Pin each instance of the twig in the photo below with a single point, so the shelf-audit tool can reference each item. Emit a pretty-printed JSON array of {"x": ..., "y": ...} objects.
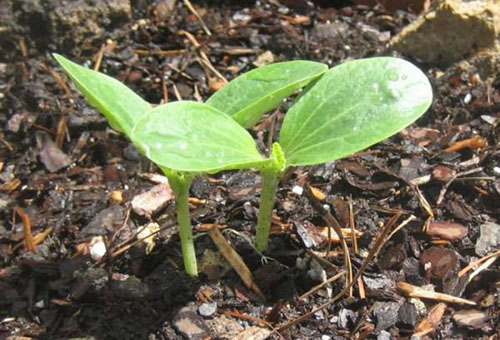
[
  {"x": 452, "y": 179},
  {"x": 353, "y": 226},
  {"x": 61, "y": 131},
  {"x": 235, "y": 260},
  {"x": 398, "y": 228},
  {"x": 482, "y": 267},
  {"x": 58, "y": 79},
  {"x": 197, "y": 15},
  {"x": 176, "y": 92},
  {"x": 321, "y": 285},
  {"x": 332, "y": 222},
  {"x": 371, "y": 255},
  {"x": 477, "y": 263},
  {"x": 164, "y": 90},
  {"x": 28, "y": 237},
  {"x": 98, "y": 58},
  {"x": 415, "y": 291},
  {"x": 204, "y": 61},
  {"x": 145, "y": 53}
]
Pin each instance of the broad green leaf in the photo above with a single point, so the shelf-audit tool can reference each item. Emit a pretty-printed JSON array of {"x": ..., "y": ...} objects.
[
  {"x": 353, "y": 106},
  {"x": 119, "y": 104},
  {"x": 247, "y": 97},
  {"x": 195, "y": 137}
]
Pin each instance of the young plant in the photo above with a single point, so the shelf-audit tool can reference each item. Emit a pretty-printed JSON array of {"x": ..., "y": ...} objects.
[
  {"x": 351, "y": 107},
  {"x": 186, "y": 138}
]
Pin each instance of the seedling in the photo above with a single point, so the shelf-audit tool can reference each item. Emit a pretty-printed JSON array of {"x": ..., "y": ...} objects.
[
  {"x": 186, "y": 138},
  {"x": 351, "y": 107}
]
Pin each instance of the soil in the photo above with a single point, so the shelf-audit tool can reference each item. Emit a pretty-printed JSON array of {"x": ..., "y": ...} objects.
[{"x": 72, "y": 179}]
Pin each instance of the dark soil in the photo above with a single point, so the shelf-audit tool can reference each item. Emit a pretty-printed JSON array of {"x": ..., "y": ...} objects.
[{"x": 63, "y": 169}]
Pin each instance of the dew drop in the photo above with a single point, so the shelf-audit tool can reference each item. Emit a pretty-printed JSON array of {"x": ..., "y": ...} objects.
[
  {"x": 158, "y": 145},
  {"x": 183, "y": 146},
  {"x": 404, "y": 77},
  {"x": 393, "y": 76},
  {"x": 375, "y": 86}
]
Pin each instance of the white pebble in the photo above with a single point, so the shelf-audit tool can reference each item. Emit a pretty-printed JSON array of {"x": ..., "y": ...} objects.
[
  {"x": 97, "y": 248},
  {"x": 298, "y": 190}
]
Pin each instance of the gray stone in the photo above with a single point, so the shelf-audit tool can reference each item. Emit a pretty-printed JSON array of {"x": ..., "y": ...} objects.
[
  {"x": 384, "y": 335},
  {"x": 408, "y": 315},
  {"x": 386, "y": 314},
  {"x": 105, "y": 221},
  {"x": 489, "y": 238},
  {"x": 450, "y": 31},
  {"x": 378, "y": 282},
  {"x": 331, "y": 30},
  {"x": 207, "y": 309},
  {"x": 129, "y": 287}
]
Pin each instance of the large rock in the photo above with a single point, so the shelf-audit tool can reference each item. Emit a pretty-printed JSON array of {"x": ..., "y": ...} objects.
[
  {"x": 64, "y": 23},
  {"x": 489, "y": 239},
  {"x": 450, "y": 31}
]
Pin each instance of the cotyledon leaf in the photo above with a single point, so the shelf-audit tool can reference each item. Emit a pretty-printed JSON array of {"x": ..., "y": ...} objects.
[
  {"x": 247, "y": 97},
  {"x": 195, "y": 137},
  {"x": 353, "y": 106},
  {"x": 121, "y": 106}
]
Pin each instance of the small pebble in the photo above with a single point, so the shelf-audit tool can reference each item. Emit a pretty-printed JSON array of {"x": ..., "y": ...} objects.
[
  {"x": 467, "y": 98},
  {"x": 298, "y": 190},
  {"x": 207, "y": 309},
  {"x": 97, "y": 248}
]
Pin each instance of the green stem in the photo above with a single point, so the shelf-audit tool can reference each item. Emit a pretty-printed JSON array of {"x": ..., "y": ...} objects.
[
  {"x": 180, "y": 184},
  {"x": 270, "y": 179}
]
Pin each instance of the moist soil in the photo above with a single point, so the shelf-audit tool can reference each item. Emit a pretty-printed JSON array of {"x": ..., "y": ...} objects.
[{"x": 72, "y": 179}]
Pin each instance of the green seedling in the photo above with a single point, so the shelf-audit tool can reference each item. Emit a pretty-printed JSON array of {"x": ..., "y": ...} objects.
[
  {"x": 351, "y": 107},
  {"x": 186, "y": 138}
]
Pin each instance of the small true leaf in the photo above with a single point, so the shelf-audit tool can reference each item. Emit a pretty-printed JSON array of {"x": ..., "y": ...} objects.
[
  {"x": 247, "y": 97},
  {"x": 351, "y": 107},
  {"x": 119, "y": 104},
  {"x": 195, "y": 137}
]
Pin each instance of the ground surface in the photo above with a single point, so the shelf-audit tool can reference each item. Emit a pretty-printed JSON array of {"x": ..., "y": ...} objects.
[{"x": 63, "y": 169}]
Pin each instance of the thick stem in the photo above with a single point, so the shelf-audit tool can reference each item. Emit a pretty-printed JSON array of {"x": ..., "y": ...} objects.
[
  {"x": 270, "y": 181},
  {"x": 180, "y": 185},
  {"x": 271, "y": 176}
]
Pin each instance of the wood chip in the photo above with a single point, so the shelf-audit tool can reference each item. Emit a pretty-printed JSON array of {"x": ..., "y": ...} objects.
[
  {"x": 471, "y": 318},
  {"x": 253, "y": 333},
  {"x": 150, "y": 202},
  {"x": 419, "y": 292},
  {"x": 318, "y": 194},
  {"x": 431, "y": 321},
  {"x": 447, "y": 230},
  {"x": 235, "y": 260}
]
